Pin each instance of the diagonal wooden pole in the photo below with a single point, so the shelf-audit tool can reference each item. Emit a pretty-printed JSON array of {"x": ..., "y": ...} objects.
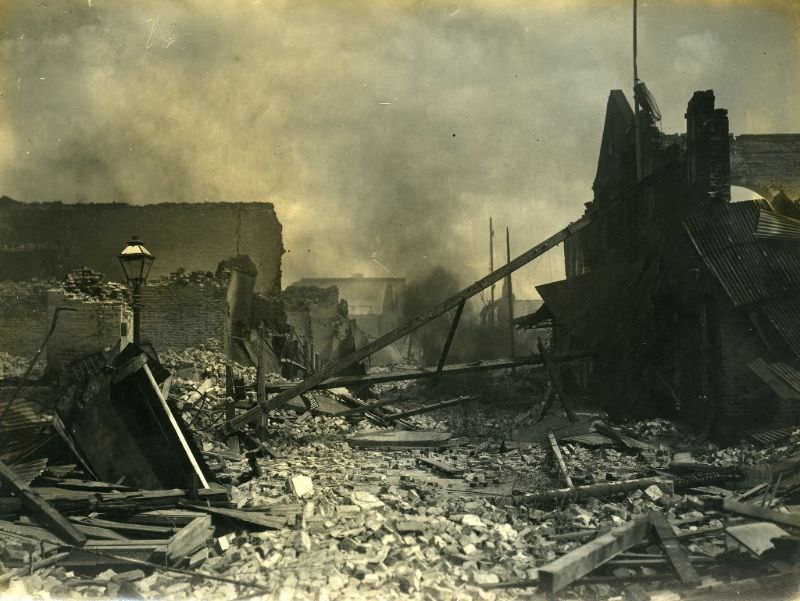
[{"x": 334, "y": 368}]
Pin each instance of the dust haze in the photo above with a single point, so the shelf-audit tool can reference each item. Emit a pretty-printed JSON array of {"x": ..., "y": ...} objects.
[{"x": 385, "y": 133}]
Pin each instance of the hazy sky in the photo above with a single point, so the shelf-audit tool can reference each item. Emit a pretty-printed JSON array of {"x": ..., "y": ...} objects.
[{"x": 390, "y": 130}]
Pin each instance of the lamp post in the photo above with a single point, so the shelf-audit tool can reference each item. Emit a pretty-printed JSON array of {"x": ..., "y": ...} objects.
[{"x": 136, "y": 262}]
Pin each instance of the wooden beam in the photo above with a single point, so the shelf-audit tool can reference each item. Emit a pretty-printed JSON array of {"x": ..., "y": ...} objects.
[
  {"x": 762, "y": 513},
  {"x": 450, "y": 335},
  {"x": 427, "y": 408},
  {"x": 448, "y": 470},
  {"x": 600, "y": 490},
  {"x": 253, "y": 518},
  {"x": 368, "y": 407},
  {"x": 168, "y": 412},
  {"x": 430, "y": 371},
  {"x": 420, "y": 320},
  {"x": 575, "y": 564},
  {"x": 675, "y": 552},
  {"x": 189, "y": 538},
  {"x": 559, "y": 458},
  {"x": 41, "y": 509}
]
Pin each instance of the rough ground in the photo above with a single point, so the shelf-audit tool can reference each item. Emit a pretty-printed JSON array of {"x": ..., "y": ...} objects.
[{"x": 382, "y": 525}]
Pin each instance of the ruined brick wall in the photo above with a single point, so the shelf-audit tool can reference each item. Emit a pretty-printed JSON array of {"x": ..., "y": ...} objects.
[
  {"x": 767, "y": 163},
  {"x": 177, "y": 316},
  {"x": 318, "y": 317},
  {"x": 47, "y": 240},
  {"x": 93, "y": 326},
  {"x": 24, "y": 319}
]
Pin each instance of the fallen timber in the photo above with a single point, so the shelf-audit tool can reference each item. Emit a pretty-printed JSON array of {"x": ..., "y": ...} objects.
[
  {"x": 443, "y": 307},
  {"x": 602, "y": 489},
  {"x": 431, "y": 372}
]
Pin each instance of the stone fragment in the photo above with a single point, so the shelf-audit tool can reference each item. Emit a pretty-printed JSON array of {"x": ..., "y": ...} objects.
[{"x": 301, "y": 486}]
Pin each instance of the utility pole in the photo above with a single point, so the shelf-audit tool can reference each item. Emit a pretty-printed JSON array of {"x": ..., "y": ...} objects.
[
  {"x": 511, "y": 341},
  {"x": 491, "y": 269}
]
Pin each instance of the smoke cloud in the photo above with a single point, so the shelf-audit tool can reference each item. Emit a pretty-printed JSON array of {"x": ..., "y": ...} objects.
[{"x": 386, "y": 133}]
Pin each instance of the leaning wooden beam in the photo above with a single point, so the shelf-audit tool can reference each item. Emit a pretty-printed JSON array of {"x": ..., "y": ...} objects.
[
  {"x": 168, "y": 412},
  {"x": 428, "y": 408},
  {"x": 40, "y": 508},
  {"x": 430, "y": 372},
  {"x": 762, "y": 513},
  {"x": 559, "y": 458},
  {"x": 368, "y": 407},
  {"x": 378, "y": 417},
  {"x": 603, "y": 489},
  {"x": 675, "y": 552},
  {"x": 334, "y": 368},
  {"x": 450, "y": 335},
  {"x": 568, "y": 568}
]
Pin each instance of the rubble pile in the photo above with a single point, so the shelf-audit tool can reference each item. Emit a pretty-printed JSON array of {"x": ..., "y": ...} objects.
[
  {"x": 297, "y": 510},
  {"x": 12, "y": 366},
  {"x": 87, "y": 284}
]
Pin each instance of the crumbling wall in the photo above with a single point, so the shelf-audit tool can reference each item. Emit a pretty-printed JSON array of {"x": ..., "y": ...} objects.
[
  {"x": 767, "y": 163},
  {"x": 48, "y": 240},
  {"x": 23, "y": 317},
  {"x": 182, "y": 315},
  {"x": 93, "y": 325},
  {"x": 317, "y": 316}
]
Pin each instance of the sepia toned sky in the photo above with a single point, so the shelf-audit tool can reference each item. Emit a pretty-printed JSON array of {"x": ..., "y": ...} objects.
[{"x": 385, "y": 132}]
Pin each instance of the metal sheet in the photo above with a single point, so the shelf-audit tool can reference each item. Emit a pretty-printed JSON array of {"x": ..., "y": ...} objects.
[
  {"x": 784, "y": 315},
  {"x": 775, "y": 225},
  {"x": 748, "y": 268}
]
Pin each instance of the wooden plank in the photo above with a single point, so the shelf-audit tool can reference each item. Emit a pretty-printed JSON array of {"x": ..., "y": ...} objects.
[
  {"x": 273, "y": 522},
  {"x": 98, "y": 532},
  {"x": 602, "y": 489},
  {"x": 440, "y": 466},
  {"x": 178, "y": 432},
  {"x": 125, "y": 526},
  {"x": 568, "y": 568},
  {"x": 41, "y": 509},
  {"x": 190, "y": 538},
  {"x": 336, "y": 367},
  {"x": 34, "y": 533},
  {"x": 399, "y": 438},
  {"x": 762, "y": 513},
  {"x": 559, "y": 458},
  {"x": 429, "y": 408},
  {"x": 175, "y": 518},
  {"x": 675, "y": 552}
]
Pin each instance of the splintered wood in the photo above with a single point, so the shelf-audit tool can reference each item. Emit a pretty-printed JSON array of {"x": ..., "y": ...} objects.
[{"x": 568, "y": 568}]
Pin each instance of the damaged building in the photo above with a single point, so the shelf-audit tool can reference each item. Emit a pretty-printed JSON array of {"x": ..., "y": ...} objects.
[{"x": 710, "y": 288}]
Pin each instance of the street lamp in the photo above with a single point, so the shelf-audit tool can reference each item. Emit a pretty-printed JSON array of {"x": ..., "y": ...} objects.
[{"x": 136, "y": 262}]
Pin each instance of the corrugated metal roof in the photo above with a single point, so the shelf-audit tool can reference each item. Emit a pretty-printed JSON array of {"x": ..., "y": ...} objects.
[
  {"x": 784, "y": 314},
  {"x": 749, "y": 269},
  {"x": 22, "y": 414},
  {"x": 773, "y": 436},
  {"x": 28, "y": 471},
  {"x": 775, "y": 225},
  {"x": 787, "y": 373}
]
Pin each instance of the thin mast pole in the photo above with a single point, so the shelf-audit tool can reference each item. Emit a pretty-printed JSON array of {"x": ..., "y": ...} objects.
[
  {"x": 491, "y": 269},
  {"x": 511, "y": 341},
  {"x": 635, "y": 99}
]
